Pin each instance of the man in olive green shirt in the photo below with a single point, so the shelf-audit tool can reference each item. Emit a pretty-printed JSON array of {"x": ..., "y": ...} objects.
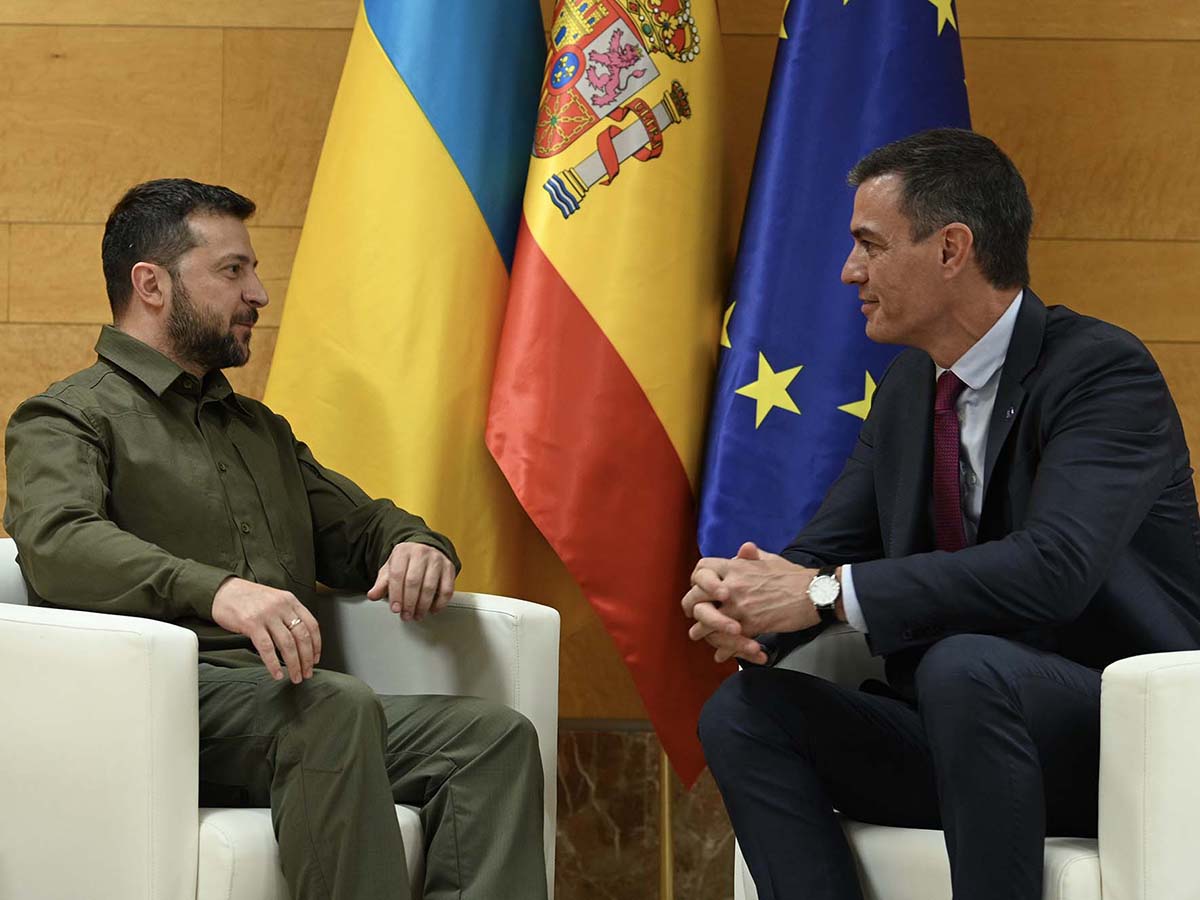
[{"x": 145, "y": 486}]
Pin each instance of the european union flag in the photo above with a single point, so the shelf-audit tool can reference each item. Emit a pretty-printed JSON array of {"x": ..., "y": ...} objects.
[{"x": 796, "y": 378}]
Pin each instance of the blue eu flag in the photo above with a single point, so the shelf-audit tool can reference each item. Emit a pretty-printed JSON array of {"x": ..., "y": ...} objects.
[{"x": 797, "y": 373}]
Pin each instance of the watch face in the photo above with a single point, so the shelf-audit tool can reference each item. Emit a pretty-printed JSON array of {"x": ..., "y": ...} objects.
[{"x": 823, "y": 590}]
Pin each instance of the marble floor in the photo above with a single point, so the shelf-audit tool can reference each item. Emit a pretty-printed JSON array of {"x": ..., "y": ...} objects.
[{"x": 608, "y": 820}]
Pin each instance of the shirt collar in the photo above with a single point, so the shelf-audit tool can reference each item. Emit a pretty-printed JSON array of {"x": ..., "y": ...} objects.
[
  {"x": 975, "y": 367},
  {"x": 155, "y": 370}
]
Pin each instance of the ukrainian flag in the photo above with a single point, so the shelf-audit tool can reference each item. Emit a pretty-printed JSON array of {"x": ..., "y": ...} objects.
[{"x": 388, "y": 339}]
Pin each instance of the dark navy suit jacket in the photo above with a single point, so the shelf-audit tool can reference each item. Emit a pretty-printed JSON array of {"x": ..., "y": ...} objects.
[{"x": 1089, "y": 541}]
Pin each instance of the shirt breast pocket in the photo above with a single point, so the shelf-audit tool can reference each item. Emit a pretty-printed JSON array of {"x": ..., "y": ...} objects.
[{"x": 276, "y": 476}]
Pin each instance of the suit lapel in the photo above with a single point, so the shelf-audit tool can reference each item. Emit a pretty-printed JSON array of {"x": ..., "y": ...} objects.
[{"x": 1023, "y": 351}]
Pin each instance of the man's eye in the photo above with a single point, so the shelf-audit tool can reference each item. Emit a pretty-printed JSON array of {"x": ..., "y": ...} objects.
[{"x": 235, "y": 268}]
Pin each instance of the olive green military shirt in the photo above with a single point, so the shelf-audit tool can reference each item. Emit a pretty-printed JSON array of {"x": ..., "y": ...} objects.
[{"x": 135, "y": 488}]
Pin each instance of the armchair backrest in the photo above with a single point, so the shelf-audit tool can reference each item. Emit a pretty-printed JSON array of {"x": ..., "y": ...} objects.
[{"x": 12, "y": 583}]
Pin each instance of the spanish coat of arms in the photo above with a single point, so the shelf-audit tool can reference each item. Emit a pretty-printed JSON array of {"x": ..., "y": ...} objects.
[{"x": 601, "y": 57}]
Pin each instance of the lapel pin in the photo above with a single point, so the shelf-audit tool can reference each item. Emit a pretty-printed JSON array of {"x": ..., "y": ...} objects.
[{"x": 1010, "y": 412}]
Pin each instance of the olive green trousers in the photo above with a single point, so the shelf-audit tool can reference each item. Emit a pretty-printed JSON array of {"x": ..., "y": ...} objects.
[{"x": 330, "y": 758}]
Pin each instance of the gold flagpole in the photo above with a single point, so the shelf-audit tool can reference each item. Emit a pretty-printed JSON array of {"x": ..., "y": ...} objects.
[{"x": 666, "y": 858}]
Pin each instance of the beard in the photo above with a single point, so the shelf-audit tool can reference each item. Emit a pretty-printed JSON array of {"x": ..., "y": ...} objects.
[{"x": 200, "y": 337}]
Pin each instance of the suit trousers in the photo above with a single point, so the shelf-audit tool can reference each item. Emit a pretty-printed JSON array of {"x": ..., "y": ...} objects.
[
  {"x": 1001, "y": 748},
  {"x": 331, "y": 758}
]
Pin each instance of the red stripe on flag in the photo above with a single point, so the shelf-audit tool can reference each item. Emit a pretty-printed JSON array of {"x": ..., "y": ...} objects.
[{"x": 593, "y": 466}]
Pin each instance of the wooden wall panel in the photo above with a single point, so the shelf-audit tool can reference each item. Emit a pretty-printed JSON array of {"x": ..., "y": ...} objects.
[
  {"x": 748, "y": 62},
  {"x": 279, "y": 90},
  {"x": 1098, "y": 128},
  {"x": 81, "y": 122},
  {"x": 1105, "y": 19},
  {"x": 5, "y": 230},
  {"x": 59, "y": 280},
  {"x": 1139, "y": 285},
  {"x": 750, "y": 16},
  {"x": 1109, "y": 19},
  {"x": 213, "y": 13}
]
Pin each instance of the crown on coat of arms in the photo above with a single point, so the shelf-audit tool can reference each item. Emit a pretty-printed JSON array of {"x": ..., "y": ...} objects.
[{"x": 667, "y": 26}]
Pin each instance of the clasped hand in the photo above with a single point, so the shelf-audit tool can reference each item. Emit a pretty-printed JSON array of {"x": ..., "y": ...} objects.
[{"x": 735, "y": 600}]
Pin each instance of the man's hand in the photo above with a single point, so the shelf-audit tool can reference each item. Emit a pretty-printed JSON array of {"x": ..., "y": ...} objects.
[
  {"x": 733, "y": 600},
  {"x": 269, "y": 618},
  {"x": 723, "y": 634},
  {"x": 417, "y": 579}
]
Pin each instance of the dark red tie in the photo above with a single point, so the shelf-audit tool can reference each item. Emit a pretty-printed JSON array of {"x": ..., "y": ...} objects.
[{"x": 947, "y": 501}]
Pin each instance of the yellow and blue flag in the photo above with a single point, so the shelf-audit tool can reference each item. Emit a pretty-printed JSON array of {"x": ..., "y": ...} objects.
[
  {"x": 797, "y": 374},
  {"x": 388, "y": 339}
]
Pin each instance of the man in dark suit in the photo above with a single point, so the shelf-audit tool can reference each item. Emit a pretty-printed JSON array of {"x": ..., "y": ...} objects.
[{"x": 1018, "y": 512}]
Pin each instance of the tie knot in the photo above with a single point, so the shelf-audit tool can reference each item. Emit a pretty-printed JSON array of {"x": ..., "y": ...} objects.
[{"x": 949, "y": 386}]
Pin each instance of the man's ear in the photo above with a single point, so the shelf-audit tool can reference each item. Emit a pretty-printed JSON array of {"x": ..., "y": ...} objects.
[
  {"x": 958, "y": 244},
  {"x": 150, "y": 284}
]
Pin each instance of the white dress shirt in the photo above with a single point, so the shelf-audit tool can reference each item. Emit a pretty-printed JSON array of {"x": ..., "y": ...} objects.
[{"x": 979, "y": 369}]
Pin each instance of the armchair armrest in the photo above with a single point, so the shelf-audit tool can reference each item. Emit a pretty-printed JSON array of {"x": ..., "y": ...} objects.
[
  {"x": 99, "y": 756},
  {"x": 1149, "y": 782},
  {"x": 481, "y": 645}
]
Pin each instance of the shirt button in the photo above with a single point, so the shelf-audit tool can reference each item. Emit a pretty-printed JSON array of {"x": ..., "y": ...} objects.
[
  {"x": 972, "y": 480},
  {"x": 221, "y": 467},
  {"x": 245, "y": 528}
]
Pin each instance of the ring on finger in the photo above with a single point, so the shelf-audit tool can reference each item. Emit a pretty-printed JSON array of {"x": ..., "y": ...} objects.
[{"x": 292, "y": 624}]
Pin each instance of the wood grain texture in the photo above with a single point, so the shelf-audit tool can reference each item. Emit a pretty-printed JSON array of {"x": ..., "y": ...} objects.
[
  {"x": 1108, "y": 19},
  {"x": 761, "y": 17},
  {"x": 59, "y": 280},
  {"x": 748, "y": 62},
  {"x": 214, "y": 13},
  {"x": 1138, "y": 285},
  {"x": 1103, "y": 19},
  {"x": 5, "y": 231},
  {"x": 1099, "y": 130},
  {"x": 87, "y": 112},
  {"x": 279, "y": 91}
]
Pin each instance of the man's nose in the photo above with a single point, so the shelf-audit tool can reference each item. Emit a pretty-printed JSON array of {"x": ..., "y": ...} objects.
[
  {"x": 853, "y": 271},
  {"x": 255, "y": 293}
]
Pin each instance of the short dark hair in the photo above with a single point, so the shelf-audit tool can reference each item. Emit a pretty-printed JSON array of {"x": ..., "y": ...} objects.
[
  {"x": 149, "y": 224},
  {"x": 954, "y": 175}
]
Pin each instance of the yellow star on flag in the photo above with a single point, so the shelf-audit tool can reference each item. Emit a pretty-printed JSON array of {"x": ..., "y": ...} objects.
[
  {"x": 725, "y": 325},
  {"x": 862, "y": 408},
  {"x": 770, "y": 390},
  {"x": 945, "y": 10}
]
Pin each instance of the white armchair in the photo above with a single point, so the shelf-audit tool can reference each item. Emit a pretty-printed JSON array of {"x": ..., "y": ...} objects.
[
  {"x": 99, "y": 747},
  {"x": 1149, "y": 792}
]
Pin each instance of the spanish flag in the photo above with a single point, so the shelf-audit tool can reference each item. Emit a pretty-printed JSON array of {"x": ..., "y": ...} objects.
[
  {"x": 606, "y": 357},
  {"x": 388, "y": 340}
]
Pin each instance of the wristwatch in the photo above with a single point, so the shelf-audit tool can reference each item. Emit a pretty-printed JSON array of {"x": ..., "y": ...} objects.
[{"x": 824, "y": 591}]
